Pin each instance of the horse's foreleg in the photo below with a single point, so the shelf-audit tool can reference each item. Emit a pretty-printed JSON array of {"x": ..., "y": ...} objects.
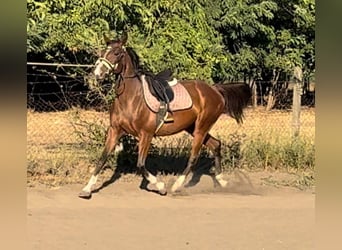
[
  {"x": 144, "y": 145},
  {"x": 215, "y": 146},
  {"x": 113, "y": 135}
]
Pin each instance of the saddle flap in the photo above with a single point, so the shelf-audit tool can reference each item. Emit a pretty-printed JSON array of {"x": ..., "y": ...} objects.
[
  {"x": 159, "y": 87},
  {"x": 181, "y": 99},
  {"x": 164, "y": 75}
]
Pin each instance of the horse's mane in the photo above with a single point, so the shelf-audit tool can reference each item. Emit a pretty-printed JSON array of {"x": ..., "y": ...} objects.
[
  {"x": 157, "y": 83},
  {"x": 138, "y": 67}
]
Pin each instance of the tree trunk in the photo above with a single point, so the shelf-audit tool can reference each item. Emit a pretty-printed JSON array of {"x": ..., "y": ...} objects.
[
  {"x": 270, "y": 100},
  {"x": 271, "y": 95}
]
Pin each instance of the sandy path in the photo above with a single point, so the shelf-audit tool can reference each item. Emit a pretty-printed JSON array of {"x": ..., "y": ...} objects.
[{"x": 121, "y": 216}]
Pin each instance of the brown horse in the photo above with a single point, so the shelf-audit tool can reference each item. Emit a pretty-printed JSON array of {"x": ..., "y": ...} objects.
[{"x": 129, "y": 114}]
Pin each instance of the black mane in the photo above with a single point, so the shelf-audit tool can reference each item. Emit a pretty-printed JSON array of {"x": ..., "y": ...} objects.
[
  {"x": 138, "y": 67},
  {"x": 157, "y": 83}
]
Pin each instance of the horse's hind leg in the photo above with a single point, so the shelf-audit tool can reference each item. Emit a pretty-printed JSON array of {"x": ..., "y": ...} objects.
[
  {"x": 195, "y": 149},
  {"x": 113, "y": 135},
  {"x": 215, "y": 146},
  {"x": 144, "y": 145}
]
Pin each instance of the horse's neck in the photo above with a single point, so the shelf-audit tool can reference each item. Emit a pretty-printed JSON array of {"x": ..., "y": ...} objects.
[
  {"x": 131, "y": 85},
  {"x": 128, "y": 69},
  {"x": 130, "y": 99},
  {"x": 131, "y": 78}
]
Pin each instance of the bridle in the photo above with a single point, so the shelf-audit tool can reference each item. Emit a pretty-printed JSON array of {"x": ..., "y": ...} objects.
[
  {"x": 119, "y": 86},
  {"x": 110, "y": 66},
  {"x": 105, "y": 62}
]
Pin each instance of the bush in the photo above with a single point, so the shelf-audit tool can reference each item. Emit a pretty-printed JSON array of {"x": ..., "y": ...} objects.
[
  {"x": 253, "y": 152},
  {"x": 291, "y": 153}
]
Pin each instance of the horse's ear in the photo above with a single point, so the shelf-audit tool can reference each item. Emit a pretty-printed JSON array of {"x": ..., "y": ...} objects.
[
  {"x": 124, "y": 38},
  {"x": 106, "y": 39}
]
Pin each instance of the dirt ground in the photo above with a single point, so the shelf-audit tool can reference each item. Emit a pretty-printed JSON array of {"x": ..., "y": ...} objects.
[{"x": 244, "y": 215}]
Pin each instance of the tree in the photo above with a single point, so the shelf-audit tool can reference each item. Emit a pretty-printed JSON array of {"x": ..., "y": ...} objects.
[
  {"x": 266, "y": 40},
  {"x": 165, "y": 33},
  {"x": 243, "y": 29},
  {"x": 235, "y": 40},
  {"x": 293, "y": 44}
]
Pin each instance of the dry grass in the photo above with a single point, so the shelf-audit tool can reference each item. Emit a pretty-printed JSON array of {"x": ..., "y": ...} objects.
[
  {"x": 272, "y": 125},
  {"x": 56, "y": 156},
  {"x": 57, "y": 127}
]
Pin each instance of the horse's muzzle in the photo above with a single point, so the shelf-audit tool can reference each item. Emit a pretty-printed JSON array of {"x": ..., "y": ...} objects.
[{"x": 98, "y": 77}]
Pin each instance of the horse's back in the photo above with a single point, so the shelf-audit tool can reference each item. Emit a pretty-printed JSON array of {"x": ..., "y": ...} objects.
[{"x": 202, "y": 93}]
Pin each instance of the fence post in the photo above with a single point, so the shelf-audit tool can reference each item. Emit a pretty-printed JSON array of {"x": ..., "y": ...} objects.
[
  {"x": 253, "y": 86},
  {"x": 296, "y": 101}
]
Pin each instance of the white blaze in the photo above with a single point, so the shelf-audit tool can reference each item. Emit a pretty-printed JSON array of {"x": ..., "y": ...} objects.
[{"x": 97, "y": 71}]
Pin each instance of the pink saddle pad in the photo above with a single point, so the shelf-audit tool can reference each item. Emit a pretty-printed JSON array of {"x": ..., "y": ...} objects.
[{"x": 181, "y": 100}]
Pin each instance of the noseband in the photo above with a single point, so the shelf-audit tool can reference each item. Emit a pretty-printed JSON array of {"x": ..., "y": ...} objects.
[
  {"x": 110, "y": 66},
  {"x": 106, "y": 63}
]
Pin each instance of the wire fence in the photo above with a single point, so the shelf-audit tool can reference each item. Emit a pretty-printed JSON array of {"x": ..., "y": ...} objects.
[{"x": 60, "y": 106}]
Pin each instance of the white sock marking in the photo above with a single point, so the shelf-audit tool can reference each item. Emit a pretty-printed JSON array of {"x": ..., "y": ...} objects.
[
  {"x": 220, "y": 180},
  {"x": 91, "y": 182},
  {"x": 179, "y": 182},
  {"x": 160, "y": 185},
  {"x": 151, "y": 178}
]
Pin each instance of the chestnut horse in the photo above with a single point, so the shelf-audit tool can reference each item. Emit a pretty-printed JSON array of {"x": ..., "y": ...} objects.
[{"x": 129, "y": 114}]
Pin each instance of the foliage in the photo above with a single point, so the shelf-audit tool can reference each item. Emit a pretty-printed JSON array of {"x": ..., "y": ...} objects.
[
  {"x": 291, "y": 154},
  {"x": 212, "y": 40}
]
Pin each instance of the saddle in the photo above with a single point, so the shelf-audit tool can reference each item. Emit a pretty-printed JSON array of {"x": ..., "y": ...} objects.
[
  {"x": 164, "y": 95},
  {"x": 159, "y": 87},
  {"x": 162, "y": 91}
]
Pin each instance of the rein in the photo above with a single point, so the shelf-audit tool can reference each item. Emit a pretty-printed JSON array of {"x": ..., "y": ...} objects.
[
  {"x": 121, "y": 79},
  {"x": 111, "y": 67}
]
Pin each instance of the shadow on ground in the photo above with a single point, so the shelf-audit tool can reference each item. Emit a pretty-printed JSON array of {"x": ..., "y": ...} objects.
[{"x": 169, "y": 163}]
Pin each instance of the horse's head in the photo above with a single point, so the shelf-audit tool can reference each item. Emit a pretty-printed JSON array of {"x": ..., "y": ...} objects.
[{"x": 111, "y": 58}]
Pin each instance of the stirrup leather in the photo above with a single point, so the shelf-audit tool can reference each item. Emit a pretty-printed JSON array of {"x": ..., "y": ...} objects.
[{"x": 163, "y": 116}]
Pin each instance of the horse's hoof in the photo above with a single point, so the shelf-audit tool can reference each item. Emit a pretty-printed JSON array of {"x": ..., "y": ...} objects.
[
  {"x": 159, "y": 189},
  {"x": 84, "y": 195},
  {"x": 222, "y": 182},
  {"x": 163, "y": 192}
]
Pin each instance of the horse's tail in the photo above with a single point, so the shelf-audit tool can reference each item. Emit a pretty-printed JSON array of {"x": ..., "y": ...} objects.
[{"x": 236, "y": 96}]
